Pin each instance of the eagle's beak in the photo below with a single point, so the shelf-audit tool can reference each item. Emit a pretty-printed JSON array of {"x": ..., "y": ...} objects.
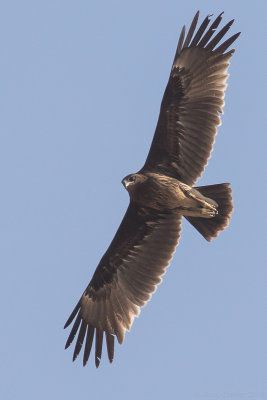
[{"x": 125, "y": 183}]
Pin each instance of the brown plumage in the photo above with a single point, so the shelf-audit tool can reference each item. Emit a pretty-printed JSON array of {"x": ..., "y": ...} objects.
[{"x": 161, "y": 193}]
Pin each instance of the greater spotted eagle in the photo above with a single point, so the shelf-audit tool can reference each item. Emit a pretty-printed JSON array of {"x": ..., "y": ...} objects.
[{"x": 162, "y": 192}]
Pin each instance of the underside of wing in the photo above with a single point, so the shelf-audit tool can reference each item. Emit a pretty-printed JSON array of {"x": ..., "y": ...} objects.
[
  {"x": 124, "y": 280},
  {"x": 193, "y": 99}
]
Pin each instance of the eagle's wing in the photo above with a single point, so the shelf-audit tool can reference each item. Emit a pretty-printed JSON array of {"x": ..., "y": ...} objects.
[
  {"x": 191, "y": 104},
  {"x": 125, "y": 278}
]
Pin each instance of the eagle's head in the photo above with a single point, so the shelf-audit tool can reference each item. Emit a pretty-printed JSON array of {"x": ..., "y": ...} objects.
[{"x": 132, "y": 181}]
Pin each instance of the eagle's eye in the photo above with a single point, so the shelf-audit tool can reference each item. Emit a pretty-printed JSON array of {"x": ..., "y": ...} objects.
[{"x": 131, "y": 178}]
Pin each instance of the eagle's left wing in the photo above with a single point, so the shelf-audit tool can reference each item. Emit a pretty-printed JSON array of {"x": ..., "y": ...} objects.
[
  {"x": 125, "y": 279},
  {"x": 193, "y": 99}
]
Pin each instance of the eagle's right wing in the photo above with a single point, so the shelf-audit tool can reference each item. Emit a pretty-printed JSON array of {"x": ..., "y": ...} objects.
[{"x": 125, "y": 278}]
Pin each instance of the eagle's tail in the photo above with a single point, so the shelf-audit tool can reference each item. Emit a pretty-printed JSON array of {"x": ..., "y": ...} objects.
[{"x": 211, "y": 227}]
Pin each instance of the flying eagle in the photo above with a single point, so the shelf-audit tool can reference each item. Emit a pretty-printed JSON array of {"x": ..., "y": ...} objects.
[{"x": 162, "y": 192}]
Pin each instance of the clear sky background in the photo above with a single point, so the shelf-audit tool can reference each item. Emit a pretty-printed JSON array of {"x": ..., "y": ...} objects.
[{"x": 81, "y": 85}]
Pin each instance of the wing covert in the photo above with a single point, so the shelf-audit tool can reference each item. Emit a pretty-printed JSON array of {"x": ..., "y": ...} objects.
[
  {"x": 125, "y": 279},
  {"x": 193, "y": 99}
]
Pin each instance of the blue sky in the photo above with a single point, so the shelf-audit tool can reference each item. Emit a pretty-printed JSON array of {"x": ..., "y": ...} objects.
[{"x": 81, "y": 85}]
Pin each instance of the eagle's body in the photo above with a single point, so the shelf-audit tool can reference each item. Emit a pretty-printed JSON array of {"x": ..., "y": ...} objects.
[{"x": 162, "y": 192}]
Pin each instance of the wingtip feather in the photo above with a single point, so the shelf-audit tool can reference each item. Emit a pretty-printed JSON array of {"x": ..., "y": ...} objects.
[
  {"x": 74, "y": 330},
  {"x": 98, "y": 346},
  {"x": 88, "y": 344},
  {"x": 80, "y": 340},
  {"x": 110, "y": 346},
  {"x": 73, "y": 314}
]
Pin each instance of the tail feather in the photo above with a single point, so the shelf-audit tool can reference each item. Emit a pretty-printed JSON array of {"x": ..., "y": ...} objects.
[{"x": 211, "y": 227}]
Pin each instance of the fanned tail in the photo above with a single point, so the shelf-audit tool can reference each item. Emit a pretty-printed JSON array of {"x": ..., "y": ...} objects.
[{"x": 211, "y": 227}]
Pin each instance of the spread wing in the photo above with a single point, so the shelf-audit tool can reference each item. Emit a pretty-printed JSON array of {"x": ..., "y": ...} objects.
[
  {"x": 191, "y": 104},
  {"x": 125, "y": 279}
]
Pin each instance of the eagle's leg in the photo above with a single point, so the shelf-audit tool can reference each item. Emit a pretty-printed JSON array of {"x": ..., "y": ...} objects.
[{"x": 202, "y": 212}]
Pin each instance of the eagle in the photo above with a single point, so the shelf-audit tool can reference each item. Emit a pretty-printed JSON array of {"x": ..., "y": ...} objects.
[{"x": 162, "y": 192}]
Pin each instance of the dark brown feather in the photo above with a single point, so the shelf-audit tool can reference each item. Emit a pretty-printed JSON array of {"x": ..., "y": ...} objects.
[
  {"x": 98, "y": 346},
  {"x": 74, "y": 329},
  {"x": 72, "y": 316},
  {"x": 210, "y": 32},
  {"x": 191, "y": 30},
  {"x": 181, "y": 40},
  {"x": 200, "y": 31},
  {"x": 80, "y": 340},
  {"x": 110, "y": 346},
  {"x": 88, "y": 343},
  {"x": 219, "y": 36},
  {"x": 224, "y": 46}
]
